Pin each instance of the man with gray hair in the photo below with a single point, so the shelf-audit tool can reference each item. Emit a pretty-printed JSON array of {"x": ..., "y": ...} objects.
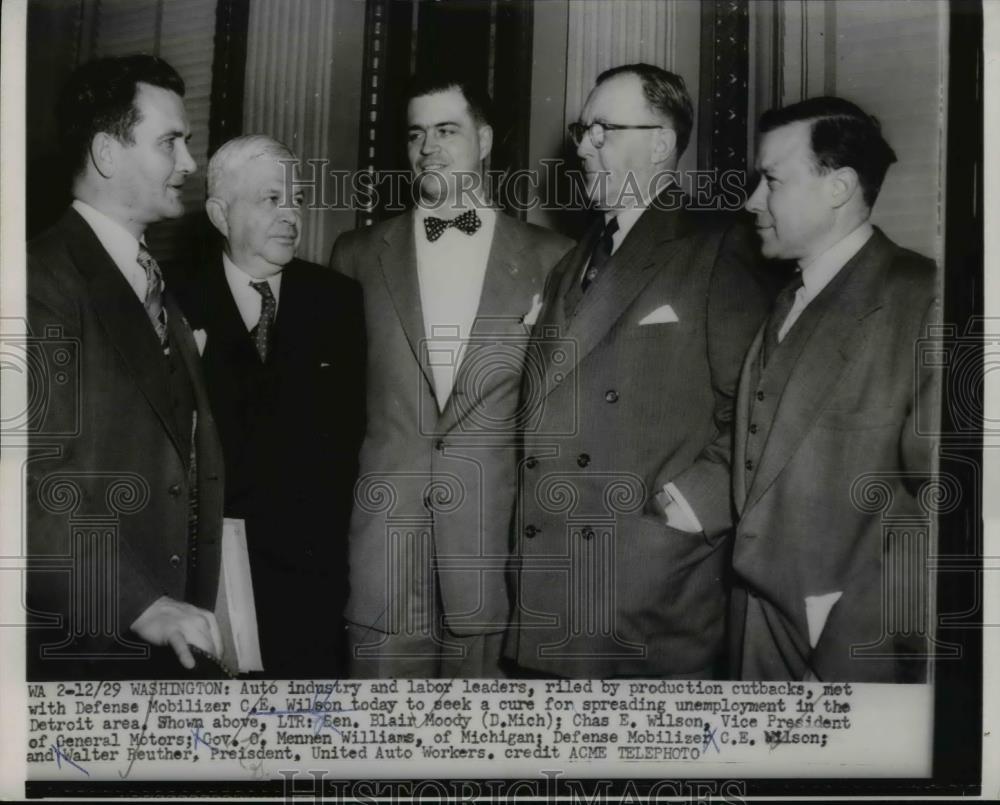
[{"x": 284, "y": 363}]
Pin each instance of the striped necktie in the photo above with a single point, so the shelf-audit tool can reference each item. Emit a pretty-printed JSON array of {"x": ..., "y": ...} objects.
[{"x": 153, "y": 301}]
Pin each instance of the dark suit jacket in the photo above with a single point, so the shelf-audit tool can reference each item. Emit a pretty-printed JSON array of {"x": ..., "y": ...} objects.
[
  {"x": 290, "y": 429},
  {"x": 616, "y": 409},
  {"x": 110, "y": 456},
  {"x": 449, "y": 474},
  {"x": 840, "y": 411}
]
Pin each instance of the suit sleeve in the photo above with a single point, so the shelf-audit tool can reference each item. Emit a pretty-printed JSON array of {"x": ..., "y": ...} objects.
[
  {"x": 340, "y": 257},
  {"x": 737, "y": 304},
  {"x": 55, "y": 437},
  {"x": 918, "y": 440}
]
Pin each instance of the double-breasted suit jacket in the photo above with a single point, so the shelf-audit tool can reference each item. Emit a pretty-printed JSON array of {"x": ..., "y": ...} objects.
[
  {"x": 634, "y": 386},
  {"x": 832, "y": 447},
  {"x": 291, "y": 427},
  {"x": 448, "y": 476},
  {"x": 111, "y": 526}
]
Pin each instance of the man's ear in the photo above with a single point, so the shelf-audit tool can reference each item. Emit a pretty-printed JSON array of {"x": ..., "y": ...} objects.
[
  {"x": 217, "y": 209},
  {"x": 664, "y": 145},
  {"x": 844, "y": 185},
  {"x": 485, "y": 141},
  {"x": 103, "y": 150}
]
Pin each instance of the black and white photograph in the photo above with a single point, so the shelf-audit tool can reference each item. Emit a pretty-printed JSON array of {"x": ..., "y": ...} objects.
[{"x": 462, "y": 400}]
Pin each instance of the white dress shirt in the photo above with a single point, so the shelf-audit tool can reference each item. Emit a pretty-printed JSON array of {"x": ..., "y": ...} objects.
[
  {"x": 820, "y": 271},
  {"x": 248, "y": 301},
  {"x": 119, "y": 243},
  {"x": 626, "y": 220},
  {"x": 450, "y": 273}
]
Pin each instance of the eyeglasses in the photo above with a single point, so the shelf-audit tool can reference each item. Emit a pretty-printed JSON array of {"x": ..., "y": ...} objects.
[{"x": 597, "y": 130}]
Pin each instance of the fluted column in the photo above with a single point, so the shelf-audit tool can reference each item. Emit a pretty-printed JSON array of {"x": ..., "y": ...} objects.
[
  {"x": 606, "y": 33},
  {"x": 302, "y": 81}
]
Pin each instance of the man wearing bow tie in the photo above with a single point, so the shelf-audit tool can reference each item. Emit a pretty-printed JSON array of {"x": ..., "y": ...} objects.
[
  {"x": 284, "y": 366},
  {"x": 446, "y": 289},
  {"x": 617, "y": 575}
]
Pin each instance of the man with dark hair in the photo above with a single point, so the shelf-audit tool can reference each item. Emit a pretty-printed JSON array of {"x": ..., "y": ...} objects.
[
  {"x": 829, "y": 417},
  {"x": 446, "y": 290},
  {"x": 124, "y": 486},
  {"x": 641, "y": 334}
]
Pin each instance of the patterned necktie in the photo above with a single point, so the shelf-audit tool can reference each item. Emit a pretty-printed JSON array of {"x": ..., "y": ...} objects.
[
  {"x": 468, "y": 222},
  {"x": 153, "y": 301},
  {"x": 782, "y": 307},
  {"x": 268, "y": 306},
  {"x": 602, "y": 253}
]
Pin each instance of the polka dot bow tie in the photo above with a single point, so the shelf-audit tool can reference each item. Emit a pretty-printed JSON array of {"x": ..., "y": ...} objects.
[{"x": 468, "y": 222}]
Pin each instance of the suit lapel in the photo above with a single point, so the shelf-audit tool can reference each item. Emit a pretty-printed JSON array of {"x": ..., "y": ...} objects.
[
  {"x": 187, "y": 349},
  {"x": 398, "y": 261},
  {"x": 229, "y": 334},
  {"x": 124, "y": 320},
  {"x": 497, "y": 324},
  {"x": 836, "y": 337},
  {"x": 655, "y": 240}
]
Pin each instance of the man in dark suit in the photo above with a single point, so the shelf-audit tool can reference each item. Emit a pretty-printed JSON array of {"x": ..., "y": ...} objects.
[
  {"x": 828, "y": 445},
  {"x": 446, "y": 290},
  {"x": 638, "y": 345},
  {"x": 284, "y": 366},
  {"x": 125, "y": 480}
]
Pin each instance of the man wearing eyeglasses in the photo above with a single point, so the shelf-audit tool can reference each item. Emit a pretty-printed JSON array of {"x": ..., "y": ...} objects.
[{"x": 640, "y": 338}]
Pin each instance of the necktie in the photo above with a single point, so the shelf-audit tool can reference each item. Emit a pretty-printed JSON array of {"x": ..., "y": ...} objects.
[
  {"x": 602, "y": 253},
  {"x": 153, "y": 301},
  {"x": 782, "y": 307},
  {"x": 468, "y": 222},
  {"x": 268, "y": 307}
]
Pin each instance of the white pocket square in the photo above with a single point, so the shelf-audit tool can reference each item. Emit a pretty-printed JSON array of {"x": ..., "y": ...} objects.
[
  {"x": 200, "y": 339},
  {"x": 662, "y": 315},
  {"x": 529, "y": 318},
  {"x": 817, "y": 611}
]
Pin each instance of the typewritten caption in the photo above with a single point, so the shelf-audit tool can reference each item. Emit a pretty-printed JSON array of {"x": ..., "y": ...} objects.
[{"x": 263, "y": 729}]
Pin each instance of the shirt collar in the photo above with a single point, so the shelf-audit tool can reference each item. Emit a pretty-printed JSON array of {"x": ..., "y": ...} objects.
[
  {"x": 626, "y": 220},
  {"x": 421, "y": 212},
  {"x": 247, "y": 299},
  {"x": 116, "y": 239},
  {"x": 818, "y": 273}
]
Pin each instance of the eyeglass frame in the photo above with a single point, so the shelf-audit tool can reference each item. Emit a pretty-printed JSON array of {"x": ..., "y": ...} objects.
[{"x": 577, "y": 126}]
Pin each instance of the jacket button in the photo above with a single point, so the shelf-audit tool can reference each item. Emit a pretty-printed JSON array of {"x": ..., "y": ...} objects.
[
  {"x": 175, "y": 561},
  {"x": 611, "y": 396},
  {"x": 749, "y": 464},
  {"x": 587, "y": 533},
  {"x": 531, "y": 462},
  {"x": 174, "y": 490},
  {"x": 530, "y": 531},
  {"x": 583, "y": 460},
  {"x": 760, "y": 395},
  {"x": 753, "y": 427}
]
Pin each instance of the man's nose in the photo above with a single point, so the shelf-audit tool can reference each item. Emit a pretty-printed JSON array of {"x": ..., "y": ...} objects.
[
  {"x": 429, "y": 144},
  {"x": 755, "y": 203},
  {"x": 585, "y": 147},
  {"x": 289, "y": 213},
  {"x": 185, "y": 162}
]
